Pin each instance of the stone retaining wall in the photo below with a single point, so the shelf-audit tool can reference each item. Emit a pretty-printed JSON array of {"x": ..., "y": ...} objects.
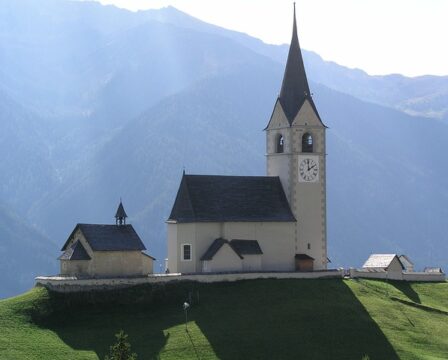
[{"x": 73, "y": 284}]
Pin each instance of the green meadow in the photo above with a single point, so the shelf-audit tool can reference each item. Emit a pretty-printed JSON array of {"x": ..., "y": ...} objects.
[{"x": 258, "y": 319}]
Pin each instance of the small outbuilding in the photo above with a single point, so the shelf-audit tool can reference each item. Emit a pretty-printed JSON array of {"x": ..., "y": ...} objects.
[
  {"x": 433, "y": 270},
  {"x": 94, "y": 250},
  {"x": 389, "y": 263},
  {"x": 232, "y": 256}
]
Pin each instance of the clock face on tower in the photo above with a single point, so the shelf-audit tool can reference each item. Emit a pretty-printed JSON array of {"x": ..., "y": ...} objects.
[{"x": 308, "y": 168}]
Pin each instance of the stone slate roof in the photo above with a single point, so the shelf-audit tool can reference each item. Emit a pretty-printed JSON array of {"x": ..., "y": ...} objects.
[
  {"x": 75, "y": 252},
  {"x": 109, "y": 237},
  {"x": 381, "y": 261},
  {"x": 209, "y": 198},
  {"x": 240, "y": 247},
  {"x": 246, "y": 247}
]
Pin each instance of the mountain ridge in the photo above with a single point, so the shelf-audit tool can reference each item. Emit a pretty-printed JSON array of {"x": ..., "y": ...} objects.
[{"x": 78, "y": 142}]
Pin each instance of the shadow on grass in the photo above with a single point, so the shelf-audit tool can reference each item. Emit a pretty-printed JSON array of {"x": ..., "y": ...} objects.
[
  {"x": 261, "y": 319},
  {"x": 89, "y": 321},
  {"x": 407, "y": 290},
  {"x": 289, "y": 319}
]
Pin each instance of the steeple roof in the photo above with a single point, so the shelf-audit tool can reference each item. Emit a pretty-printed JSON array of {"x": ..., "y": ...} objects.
[
  {"x": 120, "y": 214},
  {"x": 295, "y": 87}
]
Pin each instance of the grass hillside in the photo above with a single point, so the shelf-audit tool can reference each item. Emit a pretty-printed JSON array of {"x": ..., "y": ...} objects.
[{"x": 262, "y": 319}]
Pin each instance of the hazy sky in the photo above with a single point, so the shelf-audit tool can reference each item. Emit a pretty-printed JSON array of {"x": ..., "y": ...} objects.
[{"x": 378, "y": 36}]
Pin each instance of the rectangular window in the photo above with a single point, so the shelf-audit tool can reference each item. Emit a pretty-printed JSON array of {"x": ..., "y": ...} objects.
[
  {"x": 186, "y": 252},
  {"x": 309, "y": 246}
]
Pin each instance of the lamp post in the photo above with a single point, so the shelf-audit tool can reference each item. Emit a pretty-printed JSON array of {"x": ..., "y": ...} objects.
[{"x": 186, "y": 306}]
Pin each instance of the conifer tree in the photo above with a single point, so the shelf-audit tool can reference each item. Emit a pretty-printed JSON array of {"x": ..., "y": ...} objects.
[{"x": 121, "y": 350}]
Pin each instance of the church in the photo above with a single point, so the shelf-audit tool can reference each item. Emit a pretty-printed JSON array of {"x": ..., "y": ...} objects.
[{"x": 275, "y": 222}]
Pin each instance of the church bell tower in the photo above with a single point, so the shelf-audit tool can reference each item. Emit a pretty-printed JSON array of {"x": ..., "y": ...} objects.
[{"x": 295, "y": 150}]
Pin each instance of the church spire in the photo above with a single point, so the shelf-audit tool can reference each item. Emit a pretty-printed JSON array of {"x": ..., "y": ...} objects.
[
  {"x": 120, "y": 215},
  {"x": 295, "y": 87}
]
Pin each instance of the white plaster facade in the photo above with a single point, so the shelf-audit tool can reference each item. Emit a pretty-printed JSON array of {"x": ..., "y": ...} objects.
[{"x": 276, "y": 240}]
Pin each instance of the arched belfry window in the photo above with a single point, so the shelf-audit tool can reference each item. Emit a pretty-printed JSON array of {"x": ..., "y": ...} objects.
[
  {"x": 280, "y": 144},
  {"x": 307, "y": 143}
]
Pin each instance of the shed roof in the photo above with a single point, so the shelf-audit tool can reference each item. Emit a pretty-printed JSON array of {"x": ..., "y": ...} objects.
[
  {"x": 109, "y": 237},
  {"x": 381, "y": 261},
  {"x": 303, "y": 257},
  {"x": 75, "y": 252},
  {"x": 213, "y": 198}
]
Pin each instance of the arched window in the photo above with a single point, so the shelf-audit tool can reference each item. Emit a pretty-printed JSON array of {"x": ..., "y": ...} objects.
[
  {"x": 307, "y": 143},
  {"x": 280, "y": 144}
]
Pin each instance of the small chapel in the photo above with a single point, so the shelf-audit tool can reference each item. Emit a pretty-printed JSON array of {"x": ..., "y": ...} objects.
[
  {"x": 102, "y": 251},
  {"x": 275, "y": 222}
]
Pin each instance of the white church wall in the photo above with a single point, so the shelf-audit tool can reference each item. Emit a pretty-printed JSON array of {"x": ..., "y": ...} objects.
[
  {"x": 186, "y": 235},
  {"x": 240, "y": 230},
  {"x": 276, "y": 240},
  {"x": 173, "y": 255}
]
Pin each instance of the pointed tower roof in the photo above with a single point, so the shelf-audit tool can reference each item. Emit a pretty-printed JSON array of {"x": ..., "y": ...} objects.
[
  {"x": 120, "y": 211},
  {"x": 120, "y": 215},
  {"x": 295, "y": 87}
]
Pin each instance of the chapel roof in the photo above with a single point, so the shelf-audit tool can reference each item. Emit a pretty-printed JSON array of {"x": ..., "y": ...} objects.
[
  {"x": 108, "y": 237},
  {"x": 212, "y": 198}
]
